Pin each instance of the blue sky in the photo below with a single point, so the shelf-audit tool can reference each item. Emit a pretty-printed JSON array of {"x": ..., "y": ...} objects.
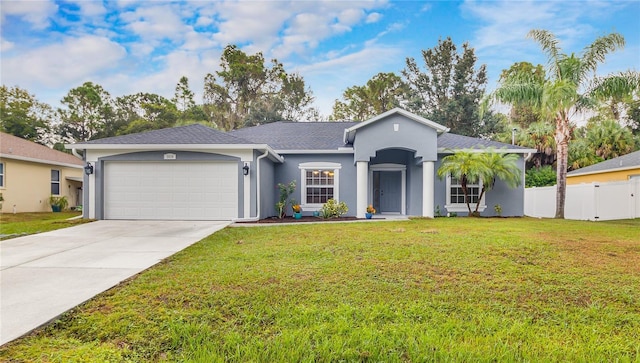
[{"x": 127, "y": 46}]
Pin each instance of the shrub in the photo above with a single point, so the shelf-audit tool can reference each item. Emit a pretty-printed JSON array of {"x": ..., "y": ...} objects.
[
  {"x": 545, "y": 176},
  {"x": 333, "y": 209},
  {"x": 285, "y": 191}
]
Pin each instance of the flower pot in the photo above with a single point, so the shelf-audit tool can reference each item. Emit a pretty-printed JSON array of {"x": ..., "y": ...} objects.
[
  {"x": 297, "y": 215},
  {"x": 56, "y": 208},
  {"x": 316, "y": 213},
  {"x": 368, "y": 215}
]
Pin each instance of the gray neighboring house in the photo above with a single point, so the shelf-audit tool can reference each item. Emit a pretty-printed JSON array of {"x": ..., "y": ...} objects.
[{"x": 198, "y": 173}]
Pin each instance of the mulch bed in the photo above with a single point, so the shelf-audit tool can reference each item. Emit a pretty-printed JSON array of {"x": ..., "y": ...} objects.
[{"x": 304, "y": 219}]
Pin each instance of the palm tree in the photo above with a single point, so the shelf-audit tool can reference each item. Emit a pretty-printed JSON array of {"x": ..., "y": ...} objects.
[
  {"x": 473, "y": 166},
  {"x": 570, "y": 87},
  {"x": 609, "y": 139},
  {"x": 498, "y": 166},
  {"x": 466, "y": 166}
]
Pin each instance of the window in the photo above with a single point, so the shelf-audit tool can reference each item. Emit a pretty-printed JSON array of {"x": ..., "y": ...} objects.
[
  {"x": 55, "y": 182},
  {"x": 319, "y": 183},
  {"x": 455, "y": 196},
  {"x": 1, "y": 175}
]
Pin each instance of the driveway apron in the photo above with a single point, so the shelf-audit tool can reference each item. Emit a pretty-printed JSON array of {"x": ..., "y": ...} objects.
[{"x": 44, "y": 275}]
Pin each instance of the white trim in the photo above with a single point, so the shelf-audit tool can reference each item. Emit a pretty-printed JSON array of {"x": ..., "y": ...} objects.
[
  {"x": 40, "y": 161},
  {"x": 317, "y": 152},
  {"x": 613, "y": 170},
  {"x": 462, "y": 207},
  {"x": 391, "y": 167},
  {"x": 303, "y": 182},
  {"x": 188, "y": 147},
  {"x": 442, "y": 150}
]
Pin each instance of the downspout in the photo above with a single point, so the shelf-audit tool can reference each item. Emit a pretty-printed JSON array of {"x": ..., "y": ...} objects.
[
  {"x": 257, "y": 217},
  {"x": 75, "y": 153}
]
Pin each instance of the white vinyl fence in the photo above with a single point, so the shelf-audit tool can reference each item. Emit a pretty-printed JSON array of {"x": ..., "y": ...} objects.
[{"x": 593, "y": 202}]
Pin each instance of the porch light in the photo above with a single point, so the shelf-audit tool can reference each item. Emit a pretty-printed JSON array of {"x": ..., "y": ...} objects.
[
  {"x": 88, "y": 169},
  {"x": 245, "y": 169}
]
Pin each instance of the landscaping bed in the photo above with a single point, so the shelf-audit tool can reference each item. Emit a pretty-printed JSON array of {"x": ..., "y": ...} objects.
[{"x": 303, "y": 219}]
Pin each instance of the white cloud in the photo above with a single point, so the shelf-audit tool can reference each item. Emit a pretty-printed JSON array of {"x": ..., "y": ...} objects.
[
  {"x": 64, "y": 63},
  {"x": 5, "y": 45},
  {"x": 155, "y": 23},
  {"x": 38, "y": 13},
  {"x": 373, "y": 18},
  {"x": 91, "y": 8}
]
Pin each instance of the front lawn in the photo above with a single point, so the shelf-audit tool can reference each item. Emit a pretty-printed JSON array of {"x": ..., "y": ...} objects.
[
  {"x": 21, "y": 224},
  {"x": 449, "y": 289}
]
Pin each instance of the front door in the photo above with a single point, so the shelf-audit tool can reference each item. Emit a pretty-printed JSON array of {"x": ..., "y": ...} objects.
[{"x": 387, "y": 191}]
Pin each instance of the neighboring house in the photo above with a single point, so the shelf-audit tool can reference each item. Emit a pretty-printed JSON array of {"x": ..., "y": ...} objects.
[
  {"x": 621, "y": 168},
  {"x": 30, "y": 173},
  {"x": 198, "y": 173}
]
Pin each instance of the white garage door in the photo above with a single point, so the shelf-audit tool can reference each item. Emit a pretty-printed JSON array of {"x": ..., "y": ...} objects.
[{"x": 171, "y": 190}]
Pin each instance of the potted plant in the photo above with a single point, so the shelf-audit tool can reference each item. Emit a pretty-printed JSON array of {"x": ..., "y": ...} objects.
[
  {"x": 297, "y": 211},
  {"x": 58, "y": 204},
  {"x": 370, "y": 211}
]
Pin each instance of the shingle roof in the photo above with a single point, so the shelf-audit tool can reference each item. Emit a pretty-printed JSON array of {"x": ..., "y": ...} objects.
[
  {"x": 190, "y": 134},
  {"x": 16, "y": 147},
  {"x": 281, "y": 135},
  {"x": 287, "y": 135},
  {"x": 625, "y": 161},
  {"x": 454, "y": 141}
]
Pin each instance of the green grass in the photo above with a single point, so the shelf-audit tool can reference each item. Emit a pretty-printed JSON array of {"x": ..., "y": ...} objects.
[
  {"x": 20, "y": 224},
  {"x": 449, "y": 289}
]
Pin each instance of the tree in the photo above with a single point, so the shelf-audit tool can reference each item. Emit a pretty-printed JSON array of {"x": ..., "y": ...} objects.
[
  {"x": 473, "y": 166},
  {"x": 523, "y": 114},
  {"x": 89, "y": 107},
  {"x": 246, "y": 92},
  {"x": 183, "y": 97},
  {"x": 498, "y": 166},
  {"x": 570, "y": 86},
  {"x": 22, "y": 115},
  {"x": 609, "y": 139},
  {"x": 382, "y": 93},
  {"x": 450, "y": 89},
  {"x": 139, "y": 112}
]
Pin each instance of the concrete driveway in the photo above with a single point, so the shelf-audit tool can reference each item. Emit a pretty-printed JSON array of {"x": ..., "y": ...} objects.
[{"x": 44, "y": 275}]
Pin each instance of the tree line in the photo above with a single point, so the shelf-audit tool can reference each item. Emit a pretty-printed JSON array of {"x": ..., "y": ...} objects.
[{"x": 445, "y": 85}]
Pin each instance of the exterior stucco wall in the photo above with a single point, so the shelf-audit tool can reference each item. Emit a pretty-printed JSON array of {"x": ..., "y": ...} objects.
[
  {"x": 620, "y": 175},
  {"x": 410, "y": 135},
  {"x": 27, "y": 185},
  {"x": 289, "y": 170}
]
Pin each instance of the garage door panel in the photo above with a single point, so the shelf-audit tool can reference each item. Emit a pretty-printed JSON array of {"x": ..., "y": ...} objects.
[{"x": 171, "y": 190}]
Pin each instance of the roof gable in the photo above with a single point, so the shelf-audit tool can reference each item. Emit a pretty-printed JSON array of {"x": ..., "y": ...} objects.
[
  {"x": 13, "y": 147},
  {"x": 350, "y": 133},
  {"x": 628, "y": 161},
  {"x": 190, "y": 134}
]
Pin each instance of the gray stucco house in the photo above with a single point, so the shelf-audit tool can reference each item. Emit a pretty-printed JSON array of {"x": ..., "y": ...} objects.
[{"x": 198, "y": 173}]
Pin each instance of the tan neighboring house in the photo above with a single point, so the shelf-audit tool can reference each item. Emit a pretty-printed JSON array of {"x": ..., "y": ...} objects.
[
  {"x": 30, "y": 173},
  {"x": 622, "y": 168}
]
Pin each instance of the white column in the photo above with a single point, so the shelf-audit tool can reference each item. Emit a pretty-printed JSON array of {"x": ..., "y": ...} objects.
[
  {"x": 428, "y": 188},
  {"x": 362, "y": 174},
  {"x": 247, "y": 193}
]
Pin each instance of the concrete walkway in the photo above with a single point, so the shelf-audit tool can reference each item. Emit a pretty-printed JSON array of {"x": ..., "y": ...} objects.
[{"x": 44, "y": 275}]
